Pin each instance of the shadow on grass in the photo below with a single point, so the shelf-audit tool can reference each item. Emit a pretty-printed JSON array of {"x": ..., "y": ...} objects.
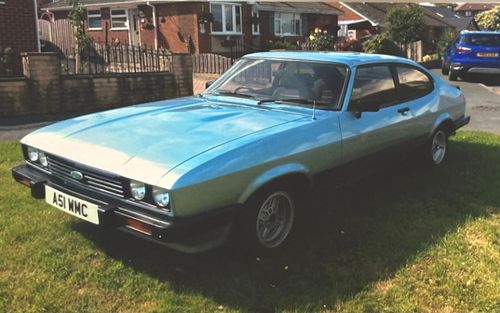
[{"x": 358, "y": 235}]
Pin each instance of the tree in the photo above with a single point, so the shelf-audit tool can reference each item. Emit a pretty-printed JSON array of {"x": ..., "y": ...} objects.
[
  {"x": 381, "y": 44},
  {"x": 489, "y": 20},
  {"x": 76, "y": 17},
  {"x": 406, "y": 24}
]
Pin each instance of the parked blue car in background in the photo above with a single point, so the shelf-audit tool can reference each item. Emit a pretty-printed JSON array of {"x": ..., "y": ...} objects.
[
  {"x": 475, "y": 52},
  {"x": 241, "y": 158}
]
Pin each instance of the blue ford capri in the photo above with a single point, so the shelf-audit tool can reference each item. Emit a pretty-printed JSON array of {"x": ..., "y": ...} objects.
[{"x": 240, "y": 158}]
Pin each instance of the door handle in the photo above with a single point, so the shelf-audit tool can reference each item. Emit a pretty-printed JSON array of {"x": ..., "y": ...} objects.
[{"x": 403, "y": 111}]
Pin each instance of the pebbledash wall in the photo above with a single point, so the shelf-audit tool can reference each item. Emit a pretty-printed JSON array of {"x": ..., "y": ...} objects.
[{"x": 44, "y": 90}]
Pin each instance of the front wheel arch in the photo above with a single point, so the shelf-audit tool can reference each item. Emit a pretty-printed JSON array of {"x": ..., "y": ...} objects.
[
  {"x": 296, "y": 187},
  {"x": 282, "y": 173}
]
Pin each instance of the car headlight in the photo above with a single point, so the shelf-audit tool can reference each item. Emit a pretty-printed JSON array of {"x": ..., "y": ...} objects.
[
  {"x": 161, "y": 196},
  {"x": 32, "y": 154},
  {"x": 42, "y": 157},
  {"x": 137, "y": 189}
]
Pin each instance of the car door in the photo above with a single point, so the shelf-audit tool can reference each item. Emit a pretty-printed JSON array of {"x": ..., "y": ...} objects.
[
  {"x": 366, "y": 133},
  {"x": 417, "y": 95}
]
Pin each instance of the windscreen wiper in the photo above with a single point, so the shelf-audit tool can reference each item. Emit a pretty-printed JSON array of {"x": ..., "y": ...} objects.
[
  {"x": 232, "y": 94},
  {"x": 291, "y": 100}
]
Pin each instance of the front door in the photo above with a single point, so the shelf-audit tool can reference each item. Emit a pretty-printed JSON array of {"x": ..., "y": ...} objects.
[{"x": 135, "y": 27}]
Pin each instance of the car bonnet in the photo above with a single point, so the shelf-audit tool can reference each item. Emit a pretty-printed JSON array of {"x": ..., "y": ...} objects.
[{"x": 144, "y": 142}]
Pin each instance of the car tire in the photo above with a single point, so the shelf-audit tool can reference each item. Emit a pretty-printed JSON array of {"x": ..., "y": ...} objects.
[
  {"x": 270, "y": 218},
  {"x": 444, "y": 70},
  {"x": 452, "y": 75},
  {"x": 436, "y": 148}
]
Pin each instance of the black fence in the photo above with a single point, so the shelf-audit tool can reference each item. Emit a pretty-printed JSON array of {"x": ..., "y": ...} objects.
[{"x": 98, "y": 58}]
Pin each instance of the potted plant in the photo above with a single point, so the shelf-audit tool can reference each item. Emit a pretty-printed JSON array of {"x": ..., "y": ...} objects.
[
  {"x": 206, "y": 17},
  {"x": 148, "y": 26}
]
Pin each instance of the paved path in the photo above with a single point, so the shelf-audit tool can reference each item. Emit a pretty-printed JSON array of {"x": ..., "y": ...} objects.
[{"x": 482, "y": 94}]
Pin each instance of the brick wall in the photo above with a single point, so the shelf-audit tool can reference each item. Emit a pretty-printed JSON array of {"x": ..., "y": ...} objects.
[
  {"x": 18, "y": 27},
  {"x": 180, "y": 21},
  {"x": 44, "y": 90}
]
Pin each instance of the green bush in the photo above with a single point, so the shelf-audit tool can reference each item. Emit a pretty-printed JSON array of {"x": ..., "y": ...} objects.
[
  {"x": 489, "y": 20},
  {"x": 281, "y": 44},
  {"x": 381, "y": 44},
  {"x": 446, "y": 39},
  {"x": 321, "y": 40}
]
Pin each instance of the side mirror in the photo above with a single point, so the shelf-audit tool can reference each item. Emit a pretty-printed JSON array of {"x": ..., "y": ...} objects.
[
  {"x": 359, "y": 107},
  {"x": 209, "y": 83}
]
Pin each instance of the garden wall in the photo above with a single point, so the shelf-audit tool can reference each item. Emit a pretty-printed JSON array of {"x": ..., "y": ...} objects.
[{"x": 44, "y": 90}]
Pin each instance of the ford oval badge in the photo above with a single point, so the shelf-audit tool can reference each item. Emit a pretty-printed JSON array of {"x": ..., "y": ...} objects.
[{"x": 76, "y": 175}]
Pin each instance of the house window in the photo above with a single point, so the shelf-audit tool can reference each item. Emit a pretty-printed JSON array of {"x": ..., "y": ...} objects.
[
  {"x": 468, "y": 13},
  {"x": 287, "y": 24},
  {"x": 255, "y": 22},
  {"x": 94, "y": 19},
  {"x": 119, "y": 19},
  {"x": 227, "y": 18}
]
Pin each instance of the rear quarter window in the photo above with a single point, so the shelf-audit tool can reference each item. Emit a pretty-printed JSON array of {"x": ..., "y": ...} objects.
[
  {"x": 374, "y": 85},
  {"x": 489, "y": 40},
  {"x": 413, "y": 83}
]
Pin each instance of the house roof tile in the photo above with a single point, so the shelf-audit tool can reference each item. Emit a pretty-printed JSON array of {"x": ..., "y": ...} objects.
[
  {"x": 376, "y": 12},
  {"x": 299, "y": 7},
  {"x": 475, "y": 6}
]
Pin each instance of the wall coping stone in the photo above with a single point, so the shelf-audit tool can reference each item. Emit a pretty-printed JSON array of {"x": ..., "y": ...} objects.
[
  {"x": 113, "y": 75},
  {"x": 38, "y": 53},
  {"x": 14, "y": 78}
]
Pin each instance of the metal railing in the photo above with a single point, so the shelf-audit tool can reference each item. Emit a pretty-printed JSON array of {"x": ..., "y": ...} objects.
[{"x": 98, "y": 58}]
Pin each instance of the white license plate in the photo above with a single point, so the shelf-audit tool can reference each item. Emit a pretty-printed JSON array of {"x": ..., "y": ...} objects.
[
  {"x": 487, "y": 54},
  {"x": 72, "y": 205}
]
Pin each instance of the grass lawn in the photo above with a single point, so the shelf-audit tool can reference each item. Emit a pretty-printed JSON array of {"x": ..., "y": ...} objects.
[{"x": 406, "y": 239}]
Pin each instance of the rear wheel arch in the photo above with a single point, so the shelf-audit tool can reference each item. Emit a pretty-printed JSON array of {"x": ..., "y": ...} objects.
[{"x": 444, "y": 121}]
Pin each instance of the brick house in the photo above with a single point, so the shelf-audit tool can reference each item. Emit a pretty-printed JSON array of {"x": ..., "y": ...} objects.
[
  {"x": 471, "y": 9},
  {"x": 375, "y": 13},
  {"x": 200, "y": 27},
  {"x": 18, "y": 31}
]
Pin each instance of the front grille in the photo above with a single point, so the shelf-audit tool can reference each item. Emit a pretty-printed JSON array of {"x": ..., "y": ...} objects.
[{"x": 92, "y": 179}]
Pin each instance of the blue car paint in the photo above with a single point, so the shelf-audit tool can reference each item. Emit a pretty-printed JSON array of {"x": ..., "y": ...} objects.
[
  {"x": 233, "y": 146},
  {"x": 467, "y": 60}
]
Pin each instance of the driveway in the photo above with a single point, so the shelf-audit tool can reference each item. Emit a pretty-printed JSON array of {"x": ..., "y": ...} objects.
[
  {"x": 483, "y": 101},
  {"x": 482, "y": 94}
]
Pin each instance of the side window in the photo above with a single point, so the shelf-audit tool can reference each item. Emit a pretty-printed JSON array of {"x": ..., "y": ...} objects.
[
  {"x": 412, "y": 83},
  {"x": 374, "y": 86}
]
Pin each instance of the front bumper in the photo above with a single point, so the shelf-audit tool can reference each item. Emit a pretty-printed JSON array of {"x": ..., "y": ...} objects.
[{"x": 118, "y": 214}]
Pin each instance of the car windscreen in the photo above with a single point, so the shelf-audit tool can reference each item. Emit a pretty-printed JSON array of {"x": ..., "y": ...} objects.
[
  {"x": 489, "y": 40},
  {"x": 296, "y": 82}
]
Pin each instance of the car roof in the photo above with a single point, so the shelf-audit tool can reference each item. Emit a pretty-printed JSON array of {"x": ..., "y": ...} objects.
[
  {"x": 348, "y": 58},
  {"x": 465, "y": 32}
]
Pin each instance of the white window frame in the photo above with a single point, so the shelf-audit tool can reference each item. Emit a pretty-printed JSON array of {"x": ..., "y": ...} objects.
[
  {"x": 89, "y": 16},
  {"x": 125, "y": 15},
  {"x": 277, "y": 32},
  {"x": 255, "y": 27},
  {"x": 233, "y": 9},
  {"x": 468, "y": 13}
]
